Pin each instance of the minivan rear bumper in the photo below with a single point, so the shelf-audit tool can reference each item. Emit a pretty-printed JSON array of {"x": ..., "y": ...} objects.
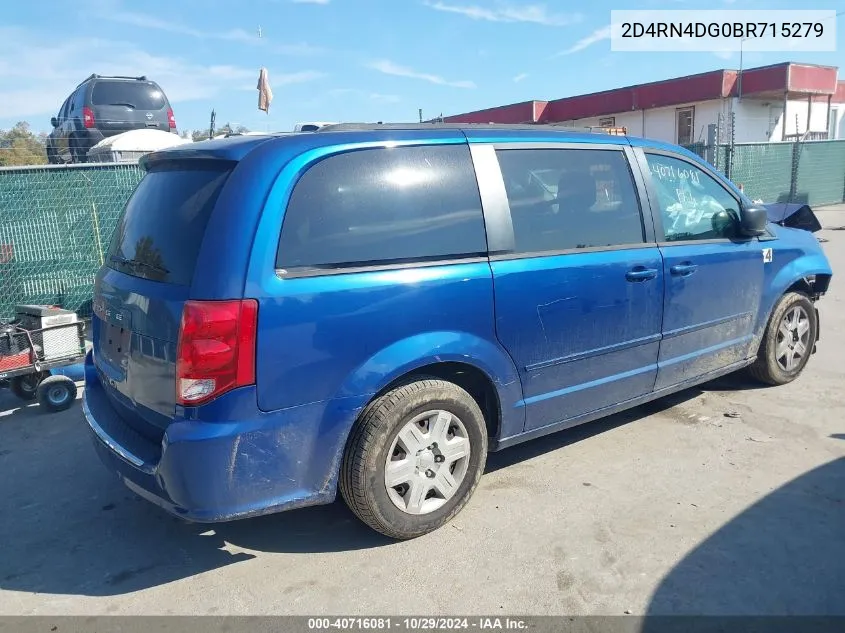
[{"x": 218, "y": 471}]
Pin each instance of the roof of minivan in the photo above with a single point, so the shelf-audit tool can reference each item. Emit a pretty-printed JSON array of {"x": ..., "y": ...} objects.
[{"x": 237, "y": 147}]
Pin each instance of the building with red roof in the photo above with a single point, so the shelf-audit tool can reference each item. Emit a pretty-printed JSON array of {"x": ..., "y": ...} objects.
[{"x": 770, "y": 103}]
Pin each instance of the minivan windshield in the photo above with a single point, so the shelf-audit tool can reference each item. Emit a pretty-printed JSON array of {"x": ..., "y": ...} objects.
[
  {"x": 140, "y": 95},
  {"x": 162, "y": 227}
]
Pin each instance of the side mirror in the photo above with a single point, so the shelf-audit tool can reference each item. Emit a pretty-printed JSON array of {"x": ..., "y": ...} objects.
[
  {"x": 54, "y": 122},
  {"x": 724, "y": 223},
  {"x": 753, "y": 220}
]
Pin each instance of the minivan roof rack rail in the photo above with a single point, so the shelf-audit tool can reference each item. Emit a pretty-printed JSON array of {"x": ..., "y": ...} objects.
[
  {"x": 356, "y": 127},
  {"x": 96, "y": 76}
]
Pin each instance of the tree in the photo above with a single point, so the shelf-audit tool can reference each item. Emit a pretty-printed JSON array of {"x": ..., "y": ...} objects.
[{"x": 19, "y": 146}]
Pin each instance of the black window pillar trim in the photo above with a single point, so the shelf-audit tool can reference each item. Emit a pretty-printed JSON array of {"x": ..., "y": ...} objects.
[
  {"x": 494, "y": 199},
  {"x": 649, "y": 200},
  {"x": 643, "y": 195}
]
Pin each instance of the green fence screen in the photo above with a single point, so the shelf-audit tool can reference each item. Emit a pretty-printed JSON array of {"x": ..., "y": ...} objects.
[
  {"x": 811, "y": 172},
  {"x": 821, "y": 172},
  {"x": 763, "y": 169},
  {"x": 55, "y": 225}
]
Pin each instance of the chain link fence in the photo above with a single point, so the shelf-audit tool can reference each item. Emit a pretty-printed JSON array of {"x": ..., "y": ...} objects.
[
  {"x": 763, "y": 169},
  {"x": 809, "y": 172},
  {"x": 55, "y": 226},
  {"x": 820, "y": 173}
]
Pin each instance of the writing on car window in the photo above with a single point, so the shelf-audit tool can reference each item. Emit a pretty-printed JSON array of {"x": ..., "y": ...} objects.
[{"x": 693, "y": 205}]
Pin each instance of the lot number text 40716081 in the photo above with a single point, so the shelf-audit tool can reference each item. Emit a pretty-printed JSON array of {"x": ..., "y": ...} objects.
[{"x": 417, "y": 624}]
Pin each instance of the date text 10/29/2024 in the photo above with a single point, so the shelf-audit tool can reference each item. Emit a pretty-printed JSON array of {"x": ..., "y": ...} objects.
[{"x": 417, "y": 624}]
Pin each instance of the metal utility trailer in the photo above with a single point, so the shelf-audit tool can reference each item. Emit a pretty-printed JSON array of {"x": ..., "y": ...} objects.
[{"x": 34, "y": 347}]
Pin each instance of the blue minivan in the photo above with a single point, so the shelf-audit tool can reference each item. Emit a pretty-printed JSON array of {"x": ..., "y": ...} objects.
[{"x": 373, "y": 308}]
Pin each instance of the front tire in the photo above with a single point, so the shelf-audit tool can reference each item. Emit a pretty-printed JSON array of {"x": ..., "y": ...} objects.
[
  {"x": 788, "y": 341},
  {"x": 414, "y": 458}
]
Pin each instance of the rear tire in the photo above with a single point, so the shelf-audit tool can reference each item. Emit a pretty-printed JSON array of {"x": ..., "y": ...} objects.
[
  {"x": 25, "y": 387},
  {"x": 56, "y": 393},
  {"x": 788, "y": 341},
  {"x": 78, "y": 153},
  {"x": 431, "y": 436}
]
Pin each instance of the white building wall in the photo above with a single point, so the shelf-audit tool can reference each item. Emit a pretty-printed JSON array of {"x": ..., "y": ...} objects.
[
  {"x": 756, "y": 120},
  {"x": 796, "y": 117},
  {"x": 838, "y": 120},
  {"x": 661, "y": 123}
]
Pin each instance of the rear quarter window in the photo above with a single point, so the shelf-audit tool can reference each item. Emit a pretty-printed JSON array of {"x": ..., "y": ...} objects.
[
  {"x": 162, "y": 227},
  {"x": 381, "y": 206}
]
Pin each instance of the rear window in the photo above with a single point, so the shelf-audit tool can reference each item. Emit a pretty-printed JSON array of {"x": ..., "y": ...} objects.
[
  {"x": 159, "y": 235},
  {"x": 383, "y": 206},
  {"x": 136, "y": 94}
]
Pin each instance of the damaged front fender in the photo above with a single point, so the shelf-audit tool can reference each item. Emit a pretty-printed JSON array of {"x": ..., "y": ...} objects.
[{"x": 796, "y": 216}]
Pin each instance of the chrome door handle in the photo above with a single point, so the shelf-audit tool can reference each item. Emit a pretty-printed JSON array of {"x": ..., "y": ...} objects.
[
  {"x": 683, "y": 270},
  {"x": 641, "y": 273}
]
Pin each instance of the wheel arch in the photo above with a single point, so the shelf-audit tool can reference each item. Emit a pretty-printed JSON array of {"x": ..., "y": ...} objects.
[
  {"x": 478, "y": 365},
  {"x": 811, "y": 284},
  {"x": 475, "y": 381},
  {"x": 810, "y": 274}
]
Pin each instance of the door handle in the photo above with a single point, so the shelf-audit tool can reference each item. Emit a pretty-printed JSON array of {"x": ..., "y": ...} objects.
[
  {"x": 683, "y": 270},
  {"x": 640, "y": 273}
]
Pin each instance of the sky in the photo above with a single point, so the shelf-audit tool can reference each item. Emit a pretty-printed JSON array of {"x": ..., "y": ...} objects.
[{"x": 341, "y": 60}]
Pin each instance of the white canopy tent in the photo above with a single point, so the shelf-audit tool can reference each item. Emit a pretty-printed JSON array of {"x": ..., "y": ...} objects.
[{"x": 130, "y": 146}]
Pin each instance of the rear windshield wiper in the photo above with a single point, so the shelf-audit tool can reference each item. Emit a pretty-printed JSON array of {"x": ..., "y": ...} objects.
[
  {"x": 124, "y": 103},
  {"x": 139, "y": 264}
]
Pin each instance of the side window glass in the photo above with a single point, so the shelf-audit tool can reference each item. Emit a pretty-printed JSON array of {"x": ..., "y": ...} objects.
[
  {"x": 693, "y": 205},
  {"x": 78, "y": 100},
  {"x": 564, "y": 199},
  {"x": 379, "y": 206},
  {"x": 63, "y": 112}
]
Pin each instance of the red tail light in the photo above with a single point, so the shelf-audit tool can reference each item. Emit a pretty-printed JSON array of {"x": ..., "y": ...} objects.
[
  {"x": 171, "y": 120},
  {"x": 87, "y": 117},
  {"x": 216, "y": 351}
]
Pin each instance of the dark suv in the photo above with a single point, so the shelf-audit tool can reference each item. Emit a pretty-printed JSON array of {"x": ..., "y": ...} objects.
[{"x": 105, "y": 106}]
